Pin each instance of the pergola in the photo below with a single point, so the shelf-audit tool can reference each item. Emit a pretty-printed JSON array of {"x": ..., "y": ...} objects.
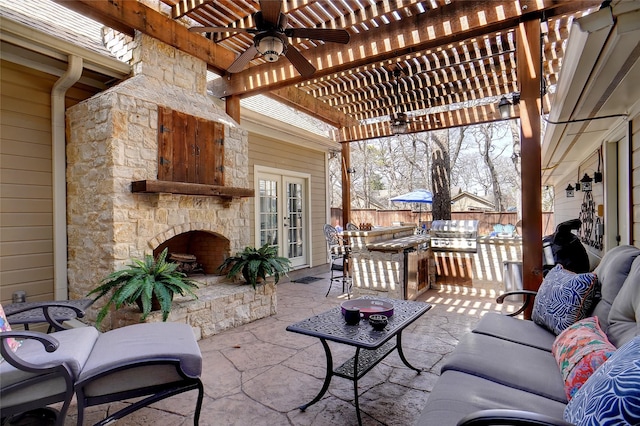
[{"x": 442, "y": 63}]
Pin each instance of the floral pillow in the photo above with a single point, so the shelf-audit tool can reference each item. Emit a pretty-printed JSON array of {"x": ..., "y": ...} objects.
[
  {"x": 579, "y": 350},
  {"x": 4, "y": 326},
  {"x": 611, "y": 396},
  {"x": 563, "y": 298}
]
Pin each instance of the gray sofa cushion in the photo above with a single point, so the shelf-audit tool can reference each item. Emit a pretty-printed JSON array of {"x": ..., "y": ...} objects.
[
  {"x": 515, "y": 330},
  {"x": 612, "y": 272},
  {"x": 518, "y": 366},
  {"x": 458, "y": 394},
  {"x": 624, "y": 315}
]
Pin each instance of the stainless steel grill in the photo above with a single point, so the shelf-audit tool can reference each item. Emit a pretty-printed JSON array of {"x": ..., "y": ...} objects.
[{"x": 454, "y": 235}]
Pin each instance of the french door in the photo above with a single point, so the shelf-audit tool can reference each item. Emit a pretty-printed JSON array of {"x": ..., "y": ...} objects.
[{"x": 282, "y": 218}]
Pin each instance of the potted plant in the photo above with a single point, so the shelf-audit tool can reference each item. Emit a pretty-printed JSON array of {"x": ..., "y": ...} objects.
[
  {"x": 256, "y": 265},
  {"x": 142, "y": 283}
]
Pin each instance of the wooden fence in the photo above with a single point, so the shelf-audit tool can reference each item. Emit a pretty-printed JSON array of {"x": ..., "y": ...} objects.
[{"x": 486, "y": 220}]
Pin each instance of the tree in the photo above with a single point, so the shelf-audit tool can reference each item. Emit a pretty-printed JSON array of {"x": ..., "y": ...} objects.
[
  {"x": 485, "y": 136},
  {"x": 440, "y": 175}
]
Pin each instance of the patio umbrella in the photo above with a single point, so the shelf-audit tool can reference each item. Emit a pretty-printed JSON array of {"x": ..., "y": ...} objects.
[{"x": 420, "y": 196}]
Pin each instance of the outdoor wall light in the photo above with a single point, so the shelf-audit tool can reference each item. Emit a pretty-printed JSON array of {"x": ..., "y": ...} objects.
[
  {"x": 569, "y": 189},
  {"x": 586, "y": 183},
  {"x": 270, "y": 47},
  {"x": 504, "y": 106},
  {"x": 351, "y": 170},
  {"x": 399, "y": 124}
]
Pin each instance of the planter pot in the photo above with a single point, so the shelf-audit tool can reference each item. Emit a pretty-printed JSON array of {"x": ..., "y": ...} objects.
[{"x": 155, "y": 303}]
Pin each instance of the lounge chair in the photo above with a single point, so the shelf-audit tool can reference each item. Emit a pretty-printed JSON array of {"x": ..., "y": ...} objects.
[{"x": 154, "y": 360}]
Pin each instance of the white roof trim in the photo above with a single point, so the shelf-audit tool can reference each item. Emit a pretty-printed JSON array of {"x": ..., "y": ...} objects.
[
  {"x": 264, "y": 125},
  {"x": 31, "y": 39}
]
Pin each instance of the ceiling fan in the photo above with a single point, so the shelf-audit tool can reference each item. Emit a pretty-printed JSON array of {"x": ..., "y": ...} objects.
[{"x": 271, "y": 38}]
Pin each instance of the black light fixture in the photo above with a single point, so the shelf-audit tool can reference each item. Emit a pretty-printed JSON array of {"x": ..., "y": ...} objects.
[
  {"x": 504, "y": 106},
  {"x": 586, "y": 183},
  {"x": 399, "y": 123},
  {"x": 569, "y": 189},
  {"x": 351, "y": 170}
]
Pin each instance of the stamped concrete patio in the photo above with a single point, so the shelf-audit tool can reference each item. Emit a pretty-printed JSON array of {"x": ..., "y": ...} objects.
[{"x": 258, "y": 374}]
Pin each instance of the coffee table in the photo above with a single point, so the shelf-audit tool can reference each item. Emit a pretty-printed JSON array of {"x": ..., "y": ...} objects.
[{"x": 371, "y": 346}]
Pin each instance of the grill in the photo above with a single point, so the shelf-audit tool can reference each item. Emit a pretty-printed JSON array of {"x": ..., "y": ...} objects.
[{"x": 454, "y": 235}]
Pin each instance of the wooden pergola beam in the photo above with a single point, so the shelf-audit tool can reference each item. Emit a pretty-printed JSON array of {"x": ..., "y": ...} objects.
[
  {"x": 437, "y": 121},
  {"x": 455, "y": 22},
  {"x": 127, "y": 16},
  {"x": 304, "y": 102},
  {"x": 530, "y": 136}
]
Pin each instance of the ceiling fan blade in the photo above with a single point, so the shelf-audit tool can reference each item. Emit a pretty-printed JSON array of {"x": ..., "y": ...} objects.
[
  {"x": 300, "y": 63},
  {"x": 221, "y": 30},
  {"x": 242, "y": 60},
  {"x": 324, "y": 34},
  {"x": 271, "y": 11}
]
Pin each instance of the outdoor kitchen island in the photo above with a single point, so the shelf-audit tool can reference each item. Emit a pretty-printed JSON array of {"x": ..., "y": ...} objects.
[{"x": 390, "y": 262}]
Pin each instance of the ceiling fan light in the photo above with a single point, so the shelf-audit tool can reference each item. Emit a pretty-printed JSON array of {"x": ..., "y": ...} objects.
[{"x": 270, "y": 47}]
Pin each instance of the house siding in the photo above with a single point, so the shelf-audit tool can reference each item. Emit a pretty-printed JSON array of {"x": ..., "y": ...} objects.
[
  {"x": 26, "y": 216},
  {"x": 269, "y": 152},
  {"x": 26, "y": 193}
]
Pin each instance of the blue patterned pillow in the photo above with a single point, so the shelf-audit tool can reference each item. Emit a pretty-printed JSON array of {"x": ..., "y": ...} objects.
[
  {"x": 563, "y": 298},
  {"x": 611, "y": 396}
]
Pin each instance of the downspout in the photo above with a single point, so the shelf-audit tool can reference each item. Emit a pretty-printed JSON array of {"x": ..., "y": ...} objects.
[{"x": 59, "y": 163}]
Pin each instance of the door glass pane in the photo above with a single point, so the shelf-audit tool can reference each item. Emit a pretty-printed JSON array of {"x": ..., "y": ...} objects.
[
  {"x": 268, "y": 212},
  {"x": 295, "y": 215}
]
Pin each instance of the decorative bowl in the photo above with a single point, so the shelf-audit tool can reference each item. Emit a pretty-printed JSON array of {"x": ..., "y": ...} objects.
[
  {"x": 369, "y": 306},
  {"x": 378, "y": 321}
]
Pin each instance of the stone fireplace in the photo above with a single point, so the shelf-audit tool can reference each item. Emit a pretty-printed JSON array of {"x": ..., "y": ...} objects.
[
  {"x": 112, "y": 141},
  {"x": 208, "y": 249}
]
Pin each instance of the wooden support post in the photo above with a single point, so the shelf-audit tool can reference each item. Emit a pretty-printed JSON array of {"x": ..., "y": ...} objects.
[
  {"x": 529, "y": 69},
  {"x": 346, "y": 184},
  {"x": 232, "y": 107}
]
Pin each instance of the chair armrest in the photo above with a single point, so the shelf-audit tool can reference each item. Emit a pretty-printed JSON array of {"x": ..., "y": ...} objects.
[
  {"x": 49, "y": 342},
  {"x": 529, "y": 295},
  {"x": 510, "y": 417},
  {"x": 46, "y": 310}
]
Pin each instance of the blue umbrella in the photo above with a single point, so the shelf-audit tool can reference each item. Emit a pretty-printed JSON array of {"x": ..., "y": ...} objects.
[{"x": 418, "y": 196}]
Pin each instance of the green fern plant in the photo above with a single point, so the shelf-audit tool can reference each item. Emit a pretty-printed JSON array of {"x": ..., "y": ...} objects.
[
  {"x": 255, "y": 264},
  {"x": 140, "y": 282}
]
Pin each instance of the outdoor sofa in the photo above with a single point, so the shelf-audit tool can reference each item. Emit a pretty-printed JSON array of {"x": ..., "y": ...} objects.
[{"x": 508, "y": 370}]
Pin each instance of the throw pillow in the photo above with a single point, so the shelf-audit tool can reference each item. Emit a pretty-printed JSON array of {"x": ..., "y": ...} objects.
[
  {"x": 611, "y": 396},
  {"x": 4, "y": 326},
  {"x": 579, "y": 350},
  {"x": 563, "y": 298}
]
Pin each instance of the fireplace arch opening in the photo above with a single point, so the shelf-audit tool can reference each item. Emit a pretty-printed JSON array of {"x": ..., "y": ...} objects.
[{"x": 207, "y": 249}]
